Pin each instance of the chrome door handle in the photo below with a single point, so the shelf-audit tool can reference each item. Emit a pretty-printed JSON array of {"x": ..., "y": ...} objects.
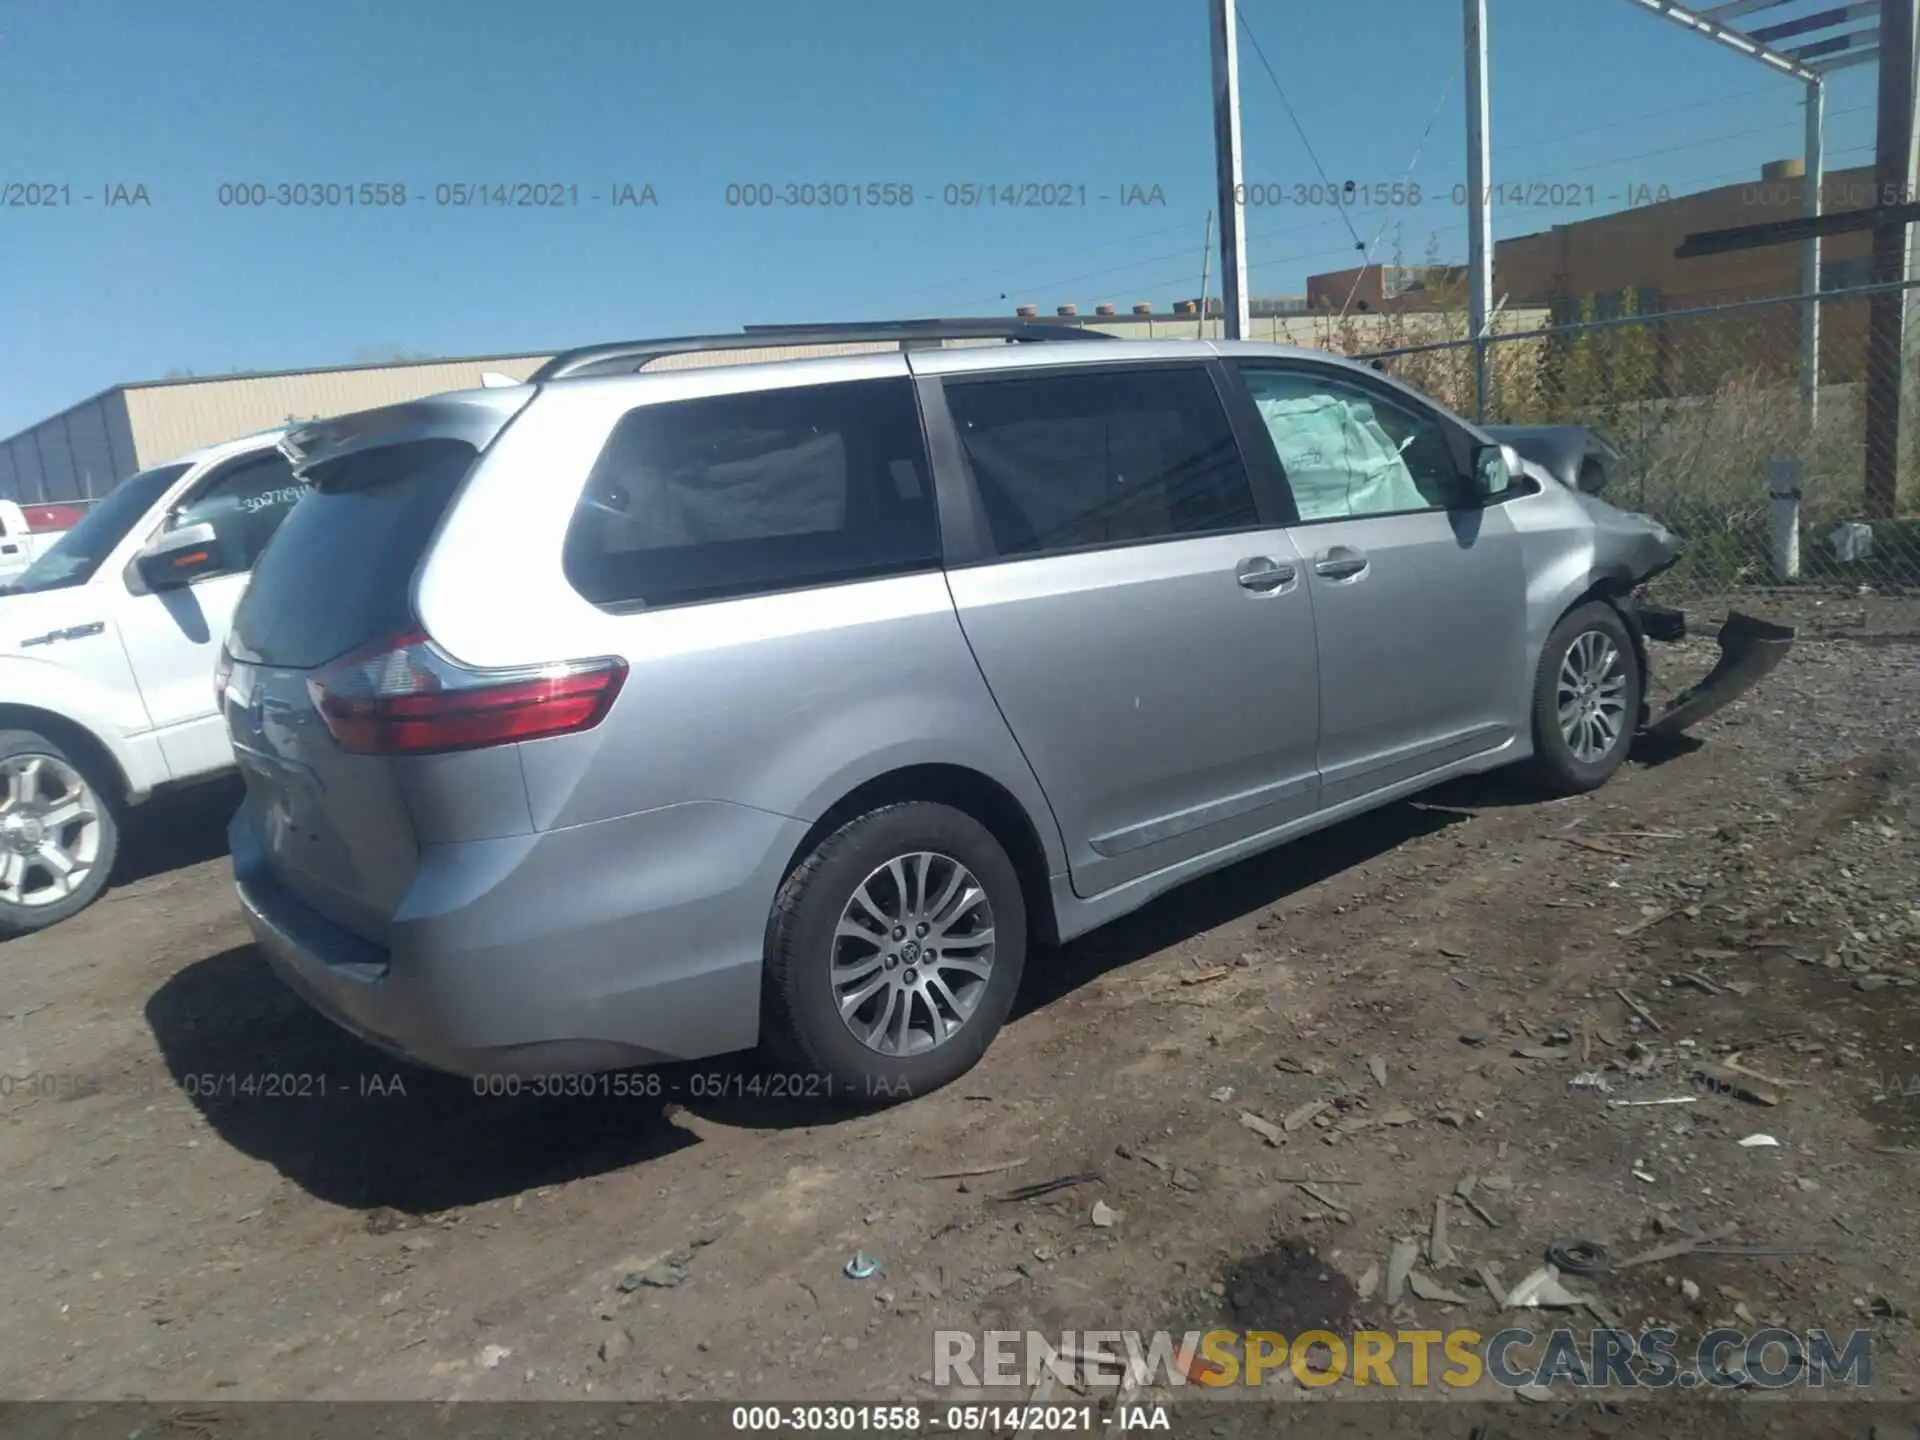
[
  {"x": 1262, "y": 574},
  {"x": 1340, "y": 563}
]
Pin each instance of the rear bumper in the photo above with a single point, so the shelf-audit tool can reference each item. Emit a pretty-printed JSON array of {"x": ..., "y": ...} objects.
[{"x": 626, "y": 942}]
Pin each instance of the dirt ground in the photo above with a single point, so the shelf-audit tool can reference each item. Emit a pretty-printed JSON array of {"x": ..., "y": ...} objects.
[{"x": 171, "y": 1229}]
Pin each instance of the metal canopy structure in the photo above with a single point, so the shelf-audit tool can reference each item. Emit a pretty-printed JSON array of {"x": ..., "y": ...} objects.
[
  {"x": 1809, "y": 45},
  {"x": 1804, "y": 46},
  {"x": 1787, "y": 232}
]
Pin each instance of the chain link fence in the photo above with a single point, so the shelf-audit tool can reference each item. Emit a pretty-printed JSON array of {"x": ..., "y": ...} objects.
[{"x": 1721, "y": 438}]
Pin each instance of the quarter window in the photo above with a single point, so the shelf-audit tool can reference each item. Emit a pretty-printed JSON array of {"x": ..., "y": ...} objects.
[
  {"x": 1112, "y": 457},
  {"x": 748, "y": 494},
  {"x": 1350, "y": 452}
]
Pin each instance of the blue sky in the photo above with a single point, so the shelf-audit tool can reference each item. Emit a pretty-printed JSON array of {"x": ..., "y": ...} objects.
[{"x": 694, "y": 95}]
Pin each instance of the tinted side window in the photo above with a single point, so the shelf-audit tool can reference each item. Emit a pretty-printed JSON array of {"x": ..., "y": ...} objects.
[
  {"x": 1064, "y": 461},
  {"x": 245, "y": 504},
  {"x": 747, "y": 494},
  {"x": 1350, "y": 452}
]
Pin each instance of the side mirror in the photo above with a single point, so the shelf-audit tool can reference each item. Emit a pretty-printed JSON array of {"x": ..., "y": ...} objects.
[
  {"x": 1593, "y": 476},
  {"x": 179, "y": 557},
  {"x": 1495, "y": 468}
]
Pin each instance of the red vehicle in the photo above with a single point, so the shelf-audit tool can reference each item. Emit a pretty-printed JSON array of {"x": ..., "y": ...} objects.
[{"x": 28, "y": 531}]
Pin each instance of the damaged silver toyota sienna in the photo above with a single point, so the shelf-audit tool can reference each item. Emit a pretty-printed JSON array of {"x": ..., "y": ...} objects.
[{"x": 635, "y": 714}]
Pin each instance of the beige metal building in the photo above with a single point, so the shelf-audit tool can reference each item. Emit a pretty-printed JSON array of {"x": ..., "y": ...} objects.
[{"x": 82, "y": 452}]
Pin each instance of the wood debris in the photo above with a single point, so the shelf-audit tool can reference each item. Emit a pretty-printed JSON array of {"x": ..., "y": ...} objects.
[
  {"x": 1735, "y": 1083},
  {"x": 1265, "y": 1129},
  {"x": 1639, "y": 1009},
  {"x": 1305, "y": 1114},
  {"x": 1439, "y": 1252}
]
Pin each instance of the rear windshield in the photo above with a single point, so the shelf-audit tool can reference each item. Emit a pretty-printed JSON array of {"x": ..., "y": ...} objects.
[{"x": 337, "y": 573}]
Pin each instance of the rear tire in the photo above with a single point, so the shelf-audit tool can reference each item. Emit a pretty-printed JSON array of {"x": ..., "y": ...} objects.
[
  {"x": 59, "y": 835},
  {"x": 888, "y": 1012},
  {"x": 1586, "y": 700}
]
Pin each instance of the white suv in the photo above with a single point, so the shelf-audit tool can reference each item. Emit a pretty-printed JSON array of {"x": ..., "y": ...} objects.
[{"x": 108, "y": 644}]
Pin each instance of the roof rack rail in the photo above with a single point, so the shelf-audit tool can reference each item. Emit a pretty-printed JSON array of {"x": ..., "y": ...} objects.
[{"x": 626, "y": 358}]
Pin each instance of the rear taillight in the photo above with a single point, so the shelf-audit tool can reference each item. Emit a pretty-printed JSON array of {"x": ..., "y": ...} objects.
[
  {"x": 222, "y": 673},
  {"x": 402, "y": 697}
]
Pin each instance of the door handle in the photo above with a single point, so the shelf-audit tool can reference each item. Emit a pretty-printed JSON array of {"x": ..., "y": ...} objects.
[
  {"x": 1262, "y": 573},
  {"x": 1342, "y": 562},
  {"x": 9, "y": 549}
]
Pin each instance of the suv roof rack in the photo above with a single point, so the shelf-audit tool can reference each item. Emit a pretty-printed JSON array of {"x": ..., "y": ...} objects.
[{"x": 629, "y": 357}]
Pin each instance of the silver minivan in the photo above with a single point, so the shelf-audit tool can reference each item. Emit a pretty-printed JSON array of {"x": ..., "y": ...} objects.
[{"x": 645, "y": 713}]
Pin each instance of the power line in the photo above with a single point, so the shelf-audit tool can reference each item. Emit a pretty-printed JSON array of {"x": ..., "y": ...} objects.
[
  {"x": 1342, "y": 210},
  {"x": 1148, "y": 260},
  {"x": 1299, "y": 130},
  {"x": 1263, "y": 264},
  {"x": 1687, "y": 145},
  {"x": 1419, "y": 148},
  {"x": 1084, "y": 250},
  {"x": 1552, "y": 136},
  {"x": 1185, "y": 253}
]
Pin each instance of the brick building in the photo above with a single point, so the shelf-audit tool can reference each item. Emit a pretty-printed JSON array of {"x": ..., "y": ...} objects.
[
  {"x": 1632, "y": 249},
  {"x": 1604, "y": 265}
]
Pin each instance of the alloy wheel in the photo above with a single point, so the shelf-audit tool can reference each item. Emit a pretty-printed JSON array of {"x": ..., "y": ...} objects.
[
  {"x": 912, "y": 953},
  {"x": 49, "y": 830},
  {"x": 1591, "y": 696}
]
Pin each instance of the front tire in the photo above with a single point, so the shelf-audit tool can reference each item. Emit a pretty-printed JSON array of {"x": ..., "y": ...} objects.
[
  {"x": 1586, "y": 700},
  {"x": 59, "y": 835},
  {"x": 894, "y": 952}
]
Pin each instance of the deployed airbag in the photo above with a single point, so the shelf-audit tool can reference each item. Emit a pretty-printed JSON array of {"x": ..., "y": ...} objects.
[{"x": 1339, "y": 460}]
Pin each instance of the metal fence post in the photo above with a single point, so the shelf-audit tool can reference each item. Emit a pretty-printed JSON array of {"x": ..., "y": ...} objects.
[
  {"x": 1811, "y": 184},
  {"x": 1887, "y": 312},
  {"x": 1479, "y": 200},
  {"x": 1783, "y": 515}
]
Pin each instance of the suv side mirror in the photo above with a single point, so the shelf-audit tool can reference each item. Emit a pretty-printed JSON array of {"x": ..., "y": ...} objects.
[
  {"x": 1495, "y": 469},
  {"x": 179, "y": 557}
]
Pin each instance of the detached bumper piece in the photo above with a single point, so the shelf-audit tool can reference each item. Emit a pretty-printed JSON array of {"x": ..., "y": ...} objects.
[{"x": 1749, "y": 649}]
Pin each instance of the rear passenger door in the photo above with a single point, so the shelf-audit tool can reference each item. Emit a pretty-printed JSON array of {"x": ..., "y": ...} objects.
[
  {"x": 1138, "y": 612},
  {"x": 1419, "y": 591}
]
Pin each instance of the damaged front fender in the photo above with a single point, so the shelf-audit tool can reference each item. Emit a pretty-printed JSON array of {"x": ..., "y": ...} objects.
[{"x": 1749, "y": 650}]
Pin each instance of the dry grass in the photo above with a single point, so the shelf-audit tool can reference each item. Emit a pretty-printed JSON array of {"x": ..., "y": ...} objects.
[{"x": 1700, "y": 406}]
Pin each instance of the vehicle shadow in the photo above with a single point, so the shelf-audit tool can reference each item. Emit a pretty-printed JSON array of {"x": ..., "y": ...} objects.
[
  {"x": 1054, "y": 972},
  {"x": 1650, "y": 751},
  {"x": 357, "y": 1128},
  {"x": 178, "y": 829},
  {"x": 1212, "y": 900}
]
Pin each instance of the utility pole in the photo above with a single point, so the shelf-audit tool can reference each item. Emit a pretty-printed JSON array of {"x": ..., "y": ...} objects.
[
  {"x": 1226, "y": 158},
  {"x": 1886, "y": 322},
  {"x": 1206, "y": 259},
  {"x": 1479, "y": 199}
]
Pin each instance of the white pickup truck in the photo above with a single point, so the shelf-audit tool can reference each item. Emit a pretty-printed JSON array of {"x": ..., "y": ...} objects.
[{"x": 108, "y": 646}]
